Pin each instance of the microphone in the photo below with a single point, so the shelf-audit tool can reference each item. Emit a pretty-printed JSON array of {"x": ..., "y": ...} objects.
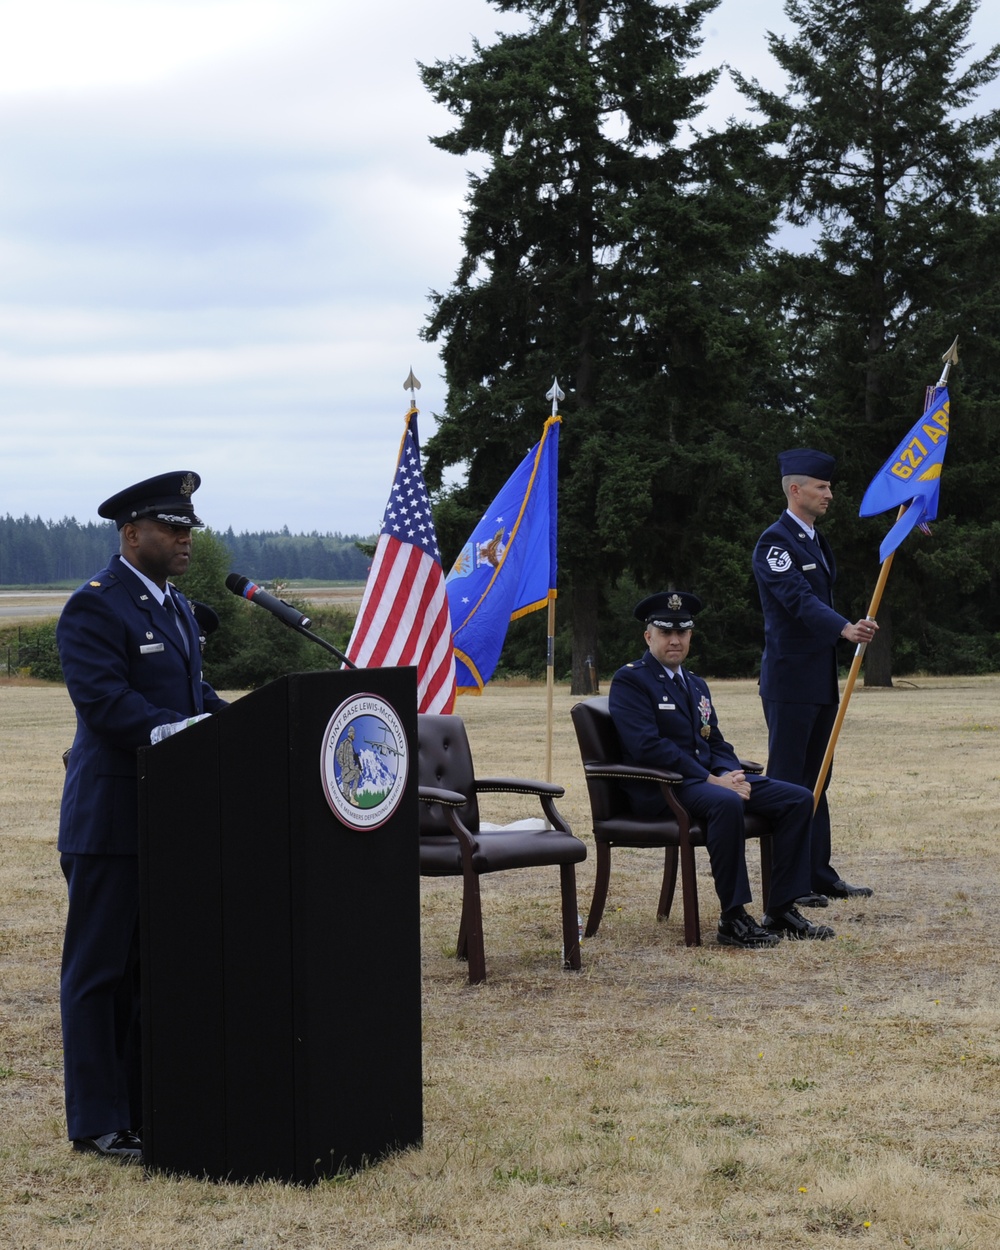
[{"x": 283, "y": 611}]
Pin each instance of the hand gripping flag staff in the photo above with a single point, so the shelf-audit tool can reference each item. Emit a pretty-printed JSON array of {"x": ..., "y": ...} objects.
[
  {"x": 404, "y": 615},
  {"x": 911, "y": 480},
  {"x": 508, "y": 566}
]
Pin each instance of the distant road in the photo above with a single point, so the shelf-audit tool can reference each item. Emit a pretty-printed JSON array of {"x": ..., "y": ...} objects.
[
  {"x": 34, "y": 603},
  {"x": 42, "y": 603}
]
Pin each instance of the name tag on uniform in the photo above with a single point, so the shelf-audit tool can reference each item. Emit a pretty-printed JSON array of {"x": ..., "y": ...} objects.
[
  {"x": 667, "y": 707},
  {"x": 153, "y": 646},
  {"x": 806, "y": 567}
]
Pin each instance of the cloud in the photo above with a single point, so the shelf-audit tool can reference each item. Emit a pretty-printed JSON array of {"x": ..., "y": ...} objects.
[{"x": 79, "y": 45}]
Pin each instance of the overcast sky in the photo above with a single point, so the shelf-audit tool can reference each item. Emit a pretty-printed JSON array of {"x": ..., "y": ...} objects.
[{"x": 219, "y": 224}]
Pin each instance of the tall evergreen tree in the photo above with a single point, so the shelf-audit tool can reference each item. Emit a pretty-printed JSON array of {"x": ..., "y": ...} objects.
[
  {"x": 607, "y": 245},
  {"x": 882, "y": 154}
]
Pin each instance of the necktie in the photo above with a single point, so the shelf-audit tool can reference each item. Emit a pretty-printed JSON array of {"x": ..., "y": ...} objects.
[
  {"x": 175, "y": 620},
  {"x": 819, "y": 551},
  {"x": 685, "y": 692}
]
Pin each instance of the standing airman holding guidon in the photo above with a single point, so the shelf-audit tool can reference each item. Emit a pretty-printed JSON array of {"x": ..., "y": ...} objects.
[{"x": 795, "y": 571}]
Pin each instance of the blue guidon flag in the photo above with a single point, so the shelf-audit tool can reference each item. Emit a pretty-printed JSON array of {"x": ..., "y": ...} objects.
[
  {"x": 508, "y": 567},
  {"x": 912, "y": 474}
]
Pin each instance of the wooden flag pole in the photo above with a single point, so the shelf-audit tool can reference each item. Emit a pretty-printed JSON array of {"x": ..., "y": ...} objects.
[
  {"x": 852, "y": 677},
  {"x": 949, "y": 358},
  {"x": 555, "y": 394}
]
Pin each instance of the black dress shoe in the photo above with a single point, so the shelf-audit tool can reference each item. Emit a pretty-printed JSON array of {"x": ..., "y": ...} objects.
[
  {"x": 124, "y": 1146},
  {"x": 745, "y": 932},
  {"x": 840, "y": 889},
  {"x": 791, "y": 923},
  {"x": 812, "y": 900}
]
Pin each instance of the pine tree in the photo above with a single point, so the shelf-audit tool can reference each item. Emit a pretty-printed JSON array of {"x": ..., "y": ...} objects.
[
  {"x": 607, "y": 245},
  {"x": 882, "y": 155}
]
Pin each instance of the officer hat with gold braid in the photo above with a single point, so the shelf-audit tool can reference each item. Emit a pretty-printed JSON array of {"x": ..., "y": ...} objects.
[
  {"x": 669, "y": 609},
  {"x": 166, "y": 498}
]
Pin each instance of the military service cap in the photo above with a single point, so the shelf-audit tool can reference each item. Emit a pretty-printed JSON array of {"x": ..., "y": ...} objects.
[
  {"x": 807, "y": 462},
  {"x": 166, "y": 498},
  {"x": 669, "y": 609}
]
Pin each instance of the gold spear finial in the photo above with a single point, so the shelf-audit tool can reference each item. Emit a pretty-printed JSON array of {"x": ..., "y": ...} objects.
[
  {"x": 948, "y": 359},
  {"x": 412, "y": 385}
]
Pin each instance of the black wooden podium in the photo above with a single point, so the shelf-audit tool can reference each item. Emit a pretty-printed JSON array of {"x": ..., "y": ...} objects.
[{"x": 280, "y": 945}]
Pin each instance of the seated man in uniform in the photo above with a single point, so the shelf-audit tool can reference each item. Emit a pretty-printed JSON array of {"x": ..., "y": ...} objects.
[{"x": 665, "y": 719}]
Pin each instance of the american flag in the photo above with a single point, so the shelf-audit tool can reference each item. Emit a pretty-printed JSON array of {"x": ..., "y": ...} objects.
[{"x": 404, "y": 616}]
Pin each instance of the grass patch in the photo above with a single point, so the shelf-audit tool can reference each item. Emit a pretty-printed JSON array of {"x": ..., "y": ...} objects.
[{"x": 663, "y": 1099}]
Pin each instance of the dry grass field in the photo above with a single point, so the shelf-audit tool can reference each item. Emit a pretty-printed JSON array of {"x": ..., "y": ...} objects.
[{"x": 808, "y": 1096}]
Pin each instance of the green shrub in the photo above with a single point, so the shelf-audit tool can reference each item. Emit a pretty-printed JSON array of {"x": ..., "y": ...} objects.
[{"x": 35, "y": 652}]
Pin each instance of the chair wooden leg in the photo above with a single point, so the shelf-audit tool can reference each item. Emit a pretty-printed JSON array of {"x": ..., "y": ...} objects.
[
  {"x": 471, "y": 930},
  {"x": 462, "y": 944},
  {"x": 570, "y": 917},
  {"x": 689, "y": 892},
  {"x": 669, "y": 883},
  {"x": 603, "y": 876}
]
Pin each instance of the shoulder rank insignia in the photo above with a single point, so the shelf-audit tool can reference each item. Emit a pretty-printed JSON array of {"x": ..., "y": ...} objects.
[
  {"x": 97, "y": 584},
  {"x": 778, "y": 560}
]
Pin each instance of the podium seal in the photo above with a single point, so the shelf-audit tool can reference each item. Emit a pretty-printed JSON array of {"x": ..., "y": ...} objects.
[{"x": 364, "y": 762}]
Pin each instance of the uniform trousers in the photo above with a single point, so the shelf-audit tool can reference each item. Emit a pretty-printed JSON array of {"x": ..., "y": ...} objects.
[
  {"x": 99, "y": 995},
  {"x": 789, "y": 809},
  {"x": 797, "y": 738}
]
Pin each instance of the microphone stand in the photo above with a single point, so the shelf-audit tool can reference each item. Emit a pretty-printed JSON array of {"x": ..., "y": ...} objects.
[{"x": 307, "y": 633}]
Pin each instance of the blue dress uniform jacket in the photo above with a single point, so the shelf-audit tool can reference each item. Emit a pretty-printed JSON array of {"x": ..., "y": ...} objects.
[
  {"x": 795, "y": 577},
  {"x": 127, "y": 670},
  {"x": 798, "y": 670},
  {"x": 660, "y": 726},
  {"x": 657, "y": 729}
]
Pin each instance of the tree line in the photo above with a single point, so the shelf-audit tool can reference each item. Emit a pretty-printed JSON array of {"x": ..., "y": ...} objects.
[
  {"x": 708, "y": 297},
  {"x": 249, "y": 648},
  {"x": 34, "y": 552}
]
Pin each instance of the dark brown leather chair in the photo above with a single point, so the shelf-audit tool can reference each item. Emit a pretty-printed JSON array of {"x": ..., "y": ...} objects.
[
  {"x": 616, "y": 825},
  {"x": 453, "y": 845}
]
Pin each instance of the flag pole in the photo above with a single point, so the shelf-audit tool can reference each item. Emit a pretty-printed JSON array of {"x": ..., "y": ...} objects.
[
  {"x": 948, "y": 359},
  {"x": 555, "y": 394}
]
